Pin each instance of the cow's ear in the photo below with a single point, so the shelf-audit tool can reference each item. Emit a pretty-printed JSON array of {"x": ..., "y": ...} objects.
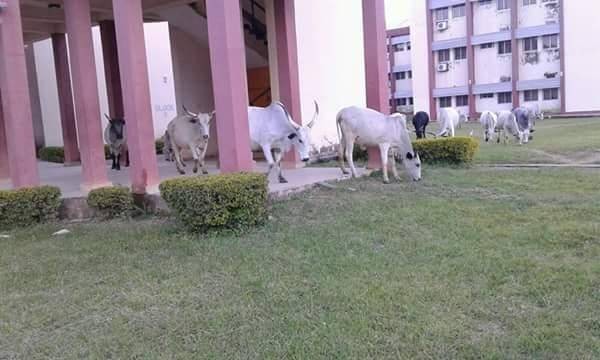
[
  {"x": 292, "y": 135},
  {"x": 193, "y": 120},
  {"x": 409, "y": 156}
]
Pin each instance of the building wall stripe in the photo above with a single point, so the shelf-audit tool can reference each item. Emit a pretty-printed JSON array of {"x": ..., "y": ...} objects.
[
  {"x": 548, "y": 29},
  {"x": 449, "y": 44},
  {"x": 490, "y": 37},
  {"x": 436, "y": 4}
]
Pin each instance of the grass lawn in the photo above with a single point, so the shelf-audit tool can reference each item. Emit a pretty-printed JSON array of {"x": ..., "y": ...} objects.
[
  {"x": 555, "y": 141},
  {"x": 468, "y": 263}
]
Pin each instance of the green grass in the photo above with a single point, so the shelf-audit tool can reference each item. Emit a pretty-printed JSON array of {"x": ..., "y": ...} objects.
[
  {"x": 468, "y": 263},
  {"x": 555, "y": 141}
]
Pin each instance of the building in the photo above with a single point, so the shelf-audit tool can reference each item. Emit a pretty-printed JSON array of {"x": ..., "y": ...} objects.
[
  {"x": 400, "y": 65},
  {"x": 67, "y": 62},
  {"x": 479, "y": 55}
]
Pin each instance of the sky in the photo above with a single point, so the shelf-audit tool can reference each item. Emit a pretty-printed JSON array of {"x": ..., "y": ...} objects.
[{"x": 396, "y": 13}]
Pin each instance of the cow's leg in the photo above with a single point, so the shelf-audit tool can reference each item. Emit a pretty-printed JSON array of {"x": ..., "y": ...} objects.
[
  {"x": 269, "y": 157},
  {"x": 196, "y": 156},
  {"x": 277, "y": 155},
  {"x": 202, "y": 158},
  {"x": 118, "y": 161},
  {"x": 392, "y": 158},
  {"x": 341, "y": 150},
  {"x": 384, "y": 150},
  {"x": 178, "y": 163},
  {"x": 114, "y": 160},
  {"x": 127, "y": 157},
  {"x": 349, "y": 156}
]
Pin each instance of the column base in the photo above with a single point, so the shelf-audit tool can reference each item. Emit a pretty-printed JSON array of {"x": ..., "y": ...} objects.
[
  {"x": 292, "y": 165},
  {"x": 72, "y": 163},
  {"x": 374, "y": 159},
  {"x": 5, "y": 183}
]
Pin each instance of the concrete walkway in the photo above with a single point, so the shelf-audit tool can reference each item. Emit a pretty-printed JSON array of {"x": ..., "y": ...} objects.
[
  {"x": 68, "y": 179},
  {"x": 542, "y": 166}
]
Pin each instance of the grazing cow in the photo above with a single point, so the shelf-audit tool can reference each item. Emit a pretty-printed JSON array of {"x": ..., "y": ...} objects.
[
  {"x": 507, "y": 125},
  {"x": 420, "y": 122},
  {"x": 450, "y": 119},
  {"x": 488, "y": 121},
  {"x": 526, "y": 118},
  {"x": 190, "y": 131},
  {"x": 273, "y": 131},
  {"x": 368, "y": 127},
  {"x": 116, "y": 138}
]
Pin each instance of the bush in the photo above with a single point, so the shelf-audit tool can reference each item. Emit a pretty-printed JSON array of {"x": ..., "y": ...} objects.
[
  {"x": 54, "y": 154},
  {"x": 28, "y": 206},
  {"x": 159, "y": 145},
  {"x": 456, "y": 151},
  {"x": 111, "y": 202},
  {"x": 106, "y": 151},
  {"x": 359, "y": 153},
  {"x": 232, "y": 201}
]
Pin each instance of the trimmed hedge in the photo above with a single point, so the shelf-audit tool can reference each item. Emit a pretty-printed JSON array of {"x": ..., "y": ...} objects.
[
  {"x": 111, "y": 202},
  {"x": 28, "y": 206},
  {"x": 231, "y": 201},
  {"x": 54, "y": 154},
  {"x": 455, "y": 151},
  {"x": 159, "y": 145}
]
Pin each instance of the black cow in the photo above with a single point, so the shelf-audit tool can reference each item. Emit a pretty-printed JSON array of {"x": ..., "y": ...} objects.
[{"x": 420, "y": 122}]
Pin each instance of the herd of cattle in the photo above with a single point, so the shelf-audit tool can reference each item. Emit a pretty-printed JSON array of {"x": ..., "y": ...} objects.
[{"x": 273, "y": 131}]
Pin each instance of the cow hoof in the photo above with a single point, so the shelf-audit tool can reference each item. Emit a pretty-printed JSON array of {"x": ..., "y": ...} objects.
[
  {"x": 184, "y": 165},
  {"x": 205, "y": 172},
  {"x": 345, "y": 172},
  {"x": 386, "y": 181},
  {"x": 195, "y": 171},
  {"x": 181, "y": 172},
  {"x": 282, "y": 180}
]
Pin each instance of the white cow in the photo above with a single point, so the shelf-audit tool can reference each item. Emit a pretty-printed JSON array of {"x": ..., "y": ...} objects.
[
  {"x": 488, "y": 122},
  {"x": 507, "y": 125},
  {"x": 449, "y": 120},
  {"x": 190, "y": 131},
  {"x": 273, "y": 131},
  {"x": 368, "y": 127}
]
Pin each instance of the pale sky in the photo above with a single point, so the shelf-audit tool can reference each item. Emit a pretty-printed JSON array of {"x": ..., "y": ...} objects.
[{"x": 396, "y": 13}]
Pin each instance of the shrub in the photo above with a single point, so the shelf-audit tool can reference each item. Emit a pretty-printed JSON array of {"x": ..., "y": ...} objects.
[
  {"x": 159, "y": 145},
  {"x": 54, "y": 154},
  {"x": 457, "y": 150},
  {"x": 111, "y": 202},
  {"x": 28, "y": 206},
  {"x": 359, "y": 153},
  {"x": 106, "y": 151},
  {"x": 232, "y": 201}
]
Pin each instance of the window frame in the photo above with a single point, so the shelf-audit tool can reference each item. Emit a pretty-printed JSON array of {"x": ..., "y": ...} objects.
[
  {"x": 462, "y": 51},
  {"x": 444, "y": 99},
  {"x": 527, "y": 95},
  {"x": 462, "y": 11},
  {"x": 505, "y": 97},
  {"x": 506, "y": 4},
  {"x": 529, "y": 2},
  {"x": 505, "y": 47},
  {"x": 486, "y": 96},
  {"x": 554, "y": 43},
  {"x": 462, "y": 100},
  {"x": 554, "y": 94},
  {"x": 528, "y": 42},
  {"x": 439, "y": 11},
  {"x": 444, "y": 51}
]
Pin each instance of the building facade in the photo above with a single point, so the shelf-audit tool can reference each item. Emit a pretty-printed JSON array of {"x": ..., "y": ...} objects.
[
  {"x": 478, "y": 55},
  {"x": 400, "y": 65}
]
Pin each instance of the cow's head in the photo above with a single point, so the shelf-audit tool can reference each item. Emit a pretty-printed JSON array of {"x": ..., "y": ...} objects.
[
  {"x": 117, "y": 127},
  {"x": 300, "y": 135},
  {"x": 412, "y": 164},
  {"x": 201, "y": 120}
]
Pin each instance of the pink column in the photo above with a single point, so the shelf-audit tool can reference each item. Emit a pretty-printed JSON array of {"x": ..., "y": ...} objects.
[
  {"x": 15, "y": 99},
  {"x": 228, "y": 65},
  {"x": 129, "y": 25},
  {"x": 65, "y": 99},
  {"x": 4, "y": 168},
  {"x": 85, "y": 91},
  {"x": 514, "y": 24},
  {"x": 375, "y": 65},
  {"x": 470, "y": 57},
  {"x": 287, "y": 60},
  {"x": 111, "y": 68},
  {"x": 431, "y": 65},
  {"x": 563, "y": 89}
]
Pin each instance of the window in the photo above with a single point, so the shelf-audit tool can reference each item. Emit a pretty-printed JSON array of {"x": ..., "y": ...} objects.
[
  {"x": 460, "y": 53},
  {"x": 530, "y": 44},
  {"x": 402, "y": 102},
  {"x": 485, "y": 2},
  {"x": 550, "y": 94},
  {"x": 441, "y": 14},
  {"x": 397, "y": 76},
  {"x": 409, "y": 74},
  {"x": 486, "y": 96},
  {"x": 529, "y": 2},
  {"x": 458, "y": 11},
  {"x": 462, "y": 100},
  {"x": 531, "y": 95},
  {"x": 411, "y": 101},
  {"x": 445, "y": 102},
  {"x": 444, "y": 56},
  {"x": 399, "y": 47},
  {"x": 503, "y": 4},
  {"x": 504, "y": 98},
  {"x": 402, "y": 75},
  {"x": 504, "y": 47},
  {"x": 550, "y": 42},
  {"x": 487, "y": 46},
  {"x": 408, "y": 46}
]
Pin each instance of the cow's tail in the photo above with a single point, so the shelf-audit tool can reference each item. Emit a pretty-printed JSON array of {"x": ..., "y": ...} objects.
[{"x": 342, "y": 145}]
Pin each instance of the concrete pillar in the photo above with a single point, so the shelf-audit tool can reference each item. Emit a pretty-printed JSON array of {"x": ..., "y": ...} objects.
[
  {"x": 85, "y": 91},
  {"x": 375, "y": 65},
  {"x": 15, "y": 99},
  {"x": 65, "y": 99},
  {"x": 129, "y": 24},
  {"x": 228, "y": 65},
  {"x": 470, "y": 57},
  {"x": 563, "y": 89},
  {"x": 112, "y": 72},
  {"x": 4, "y": 168},
  {"x": 514, "y": 24},
  {"x": 287, "y": 67},
  {"x": 34, "y": 97},
  {"x": 431, "y": 64}
]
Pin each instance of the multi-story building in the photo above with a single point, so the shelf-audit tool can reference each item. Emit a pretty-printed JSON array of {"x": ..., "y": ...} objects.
[
  {"x": 400, "y": 59},
  {"x": 479, "y": 55}
]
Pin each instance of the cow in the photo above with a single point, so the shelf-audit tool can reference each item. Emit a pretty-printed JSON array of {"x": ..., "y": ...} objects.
[
  {"x": 420, "y": 122},
  {"x": 168, "y": 148},
  {"x": 507, "y": 125},
  {"x": 368, "y": 127},
  {"x": 488, "y": 122},
  {"x": 190, "y": 131},
  {"x": 526, "y": 118},
  {"x": 450, "y": 119},
  {"x": 115, "y": 135},
  {"x": 273, "y": 131}
]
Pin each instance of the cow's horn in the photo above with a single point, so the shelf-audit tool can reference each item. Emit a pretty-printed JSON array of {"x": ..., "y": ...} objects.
[
  {"x": 189, "y": 112},
  {"x": 107, "y": 117},
  {"x": 315, "y": 116},
  {"x": 289, "y": 117}
]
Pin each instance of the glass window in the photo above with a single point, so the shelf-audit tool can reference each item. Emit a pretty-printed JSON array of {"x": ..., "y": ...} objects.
[
  {"x": 444, "y": 55},
  {"x": 503, "y": 4},
  {"x": 441, "y": 14},
  {"x": 531, "y": 95},
  {"x": 460, "y": 53},
  {"x": 531, "y": 44},
  {"x": 462, "y": 100},
  {"x": 504, "y": 98},
  {"x": 445, "y": 102},
  {"x": 550, "y": 41},
  {"x": 551, "y": 94},
  {"x": 459, "y": 11},
  {"x": 504, "y": 47}
]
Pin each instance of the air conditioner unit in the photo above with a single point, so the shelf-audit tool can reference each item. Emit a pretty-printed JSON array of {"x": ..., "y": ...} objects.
[
  {"x": 442, "y": 67},
  {"x": 441, "y": 25}
]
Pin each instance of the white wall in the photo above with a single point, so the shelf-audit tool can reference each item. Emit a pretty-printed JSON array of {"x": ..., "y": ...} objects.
[
  {"x": 419, "y": 51},
  {"x": 44, "y": 64},
  {"x": 536, "y": 14},
  {"x": 543, "y": 105},
  {"x": 489, "y": 66},
  {"x": 331, "y": 61},
  {"x": 548, "y": 62},
  {"x": 490, "y": 104},
  {"x": 457, "y": 75},
  {"x": 487, "y": 19},
  {"x": 457, "y": 28},
  {"x": 404, "y": 85},
  {"x": 403, "y": 57},
  {"x": 582, "y": 54}
]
